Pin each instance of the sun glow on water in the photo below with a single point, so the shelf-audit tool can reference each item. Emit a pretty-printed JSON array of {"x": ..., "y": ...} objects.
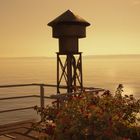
[{"x": 128, "y": 90}]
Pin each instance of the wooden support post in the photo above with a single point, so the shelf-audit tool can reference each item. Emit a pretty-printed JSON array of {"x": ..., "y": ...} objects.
[
  {"x": 81, "y": 72},
  {"x": 58, "y": 83},
  {"x": 69, "y": 72},
  {"x": 74, "y": 73},
  {"x": 42, "y": 105}
]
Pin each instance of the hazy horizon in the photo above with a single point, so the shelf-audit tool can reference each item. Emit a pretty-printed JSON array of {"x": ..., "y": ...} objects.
[{"x": 97, "y": 55}]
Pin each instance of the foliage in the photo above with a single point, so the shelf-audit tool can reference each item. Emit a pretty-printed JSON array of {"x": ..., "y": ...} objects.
[{"x": 89, "y": 116}]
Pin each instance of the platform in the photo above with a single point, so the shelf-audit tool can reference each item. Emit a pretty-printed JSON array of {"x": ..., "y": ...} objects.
[{"x": 18, "y": 131}]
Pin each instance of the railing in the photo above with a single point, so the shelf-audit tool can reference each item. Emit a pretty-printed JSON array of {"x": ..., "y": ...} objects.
[{"x": 41, "y": 96}]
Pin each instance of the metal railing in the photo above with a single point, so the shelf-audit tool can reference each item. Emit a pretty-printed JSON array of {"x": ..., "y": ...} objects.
[{"x": 41, "y": 96}]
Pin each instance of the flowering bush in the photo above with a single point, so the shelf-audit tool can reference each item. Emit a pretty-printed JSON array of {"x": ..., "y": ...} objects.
[{"x": 89, "y": 116}]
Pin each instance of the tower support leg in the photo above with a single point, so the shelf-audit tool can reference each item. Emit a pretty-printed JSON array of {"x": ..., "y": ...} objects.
[{"x": 69, "y": 72}]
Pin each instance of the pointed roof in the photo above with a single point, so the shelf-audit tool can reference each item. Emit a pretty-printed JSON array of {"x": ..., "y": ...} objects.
[{"x": 68, "y": 17}]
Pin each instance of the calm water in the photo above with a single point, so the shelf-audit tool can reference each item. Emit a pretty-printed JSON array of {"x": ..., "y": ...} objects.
[{"x": 102, "y": 71}]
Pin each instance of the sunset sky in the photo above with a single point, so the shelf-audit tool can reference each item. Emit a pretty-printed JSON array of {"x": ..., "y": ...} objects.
[{"x": 115, "y": 26}]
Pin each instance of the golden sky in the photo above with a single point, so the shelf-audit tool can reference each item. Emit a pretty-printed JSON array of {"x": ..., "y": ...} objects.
[{"x": 115, "y": 26}]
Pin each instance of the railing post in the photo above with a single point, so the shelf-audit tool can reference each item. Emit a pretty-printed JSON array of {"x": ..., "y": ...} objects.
[{"x": 42, "y": 105}]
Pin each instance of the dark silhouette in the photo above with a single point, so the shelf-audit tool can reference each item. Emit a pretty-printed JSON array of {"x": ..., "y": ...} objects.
[{"x": 68, "y": 27}]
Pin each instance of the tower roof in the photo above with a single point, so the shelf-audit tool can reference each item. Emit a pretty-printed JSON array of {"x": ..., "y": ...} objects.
[{"x": 68, "y": 17}]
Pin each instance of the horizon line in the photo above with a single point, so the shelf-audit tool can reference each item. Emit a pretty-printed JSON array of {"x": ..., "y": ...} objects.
[{"x": 100, "y": 55}]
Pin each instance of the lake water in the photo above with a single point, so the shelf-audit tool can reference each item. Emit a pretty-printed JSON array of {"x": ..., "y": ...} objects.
[{"x": 98, "y": 71}]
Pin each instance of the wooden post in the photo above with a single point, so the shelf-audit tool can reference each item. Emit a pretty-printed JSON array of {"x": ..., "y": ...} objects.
[
  {"x": 58, "y": 84},
  {"x": 74, "y": 73},
  {"x": 81, "y": 72},
  {"x": 42, "y": 99},
  {"x": 69, "y": 73}
]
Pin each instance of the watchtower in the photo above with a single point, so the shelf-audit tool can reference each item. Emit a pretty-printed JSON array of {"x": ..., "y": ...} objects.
[{"x": 68, "y": 28}]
